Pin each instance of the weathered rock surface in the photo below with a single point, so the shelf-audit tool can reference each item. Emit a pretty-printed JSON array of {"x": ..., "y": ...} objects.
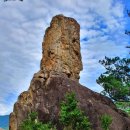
[
  {"x": 46, "y": 100},
  {"x": 58, "y": 76},
  {"x": 61, "y": 47}
]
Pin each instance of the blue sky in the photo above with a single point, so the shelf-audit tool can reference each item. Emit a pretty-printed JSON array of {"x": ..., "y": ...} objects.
[{"x": 22, "y": 27}]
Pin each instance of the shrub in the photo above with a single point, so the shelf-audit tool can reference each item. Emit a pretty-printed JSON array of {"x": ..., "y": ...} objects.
[
  {"x": 71, "y": 117},
  {"x": 106, "y": 120},
  {"x": 32, "y": 123}
]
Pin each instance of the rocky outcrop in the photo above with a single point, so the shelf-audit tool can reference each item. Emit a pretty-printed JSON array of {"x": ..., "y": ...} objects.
[
  {"x": 59, "y": 74},
  {"x": 46, "y": 100},
  {"x": 61, "y": 47}
]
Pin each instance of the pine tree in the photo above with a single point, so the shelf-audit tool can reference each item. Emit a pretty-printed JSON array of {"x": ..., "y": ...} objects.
[
  {"x": 116, "y": 79},
  {"x": 71, "y": 117}
]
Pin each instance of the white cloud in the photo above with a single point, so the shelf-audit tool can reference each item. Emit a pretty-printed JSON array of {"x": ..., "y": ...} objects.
[{"x": 5, "y": 109}]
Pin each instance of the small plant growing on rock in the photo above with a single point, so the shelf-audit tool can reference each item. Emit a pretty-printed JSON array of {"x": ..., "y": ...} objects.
[
  {"x": 32, "y": 123},
  {"x": 71, "y": 117},
  {"x": 106, "y": 121}
]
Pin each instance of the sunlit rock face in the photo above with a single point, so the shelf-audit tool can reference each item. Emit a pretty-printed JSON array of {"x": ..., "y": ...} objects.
[
  {"x": 61, "y": 47},
  {"x": 61, "y": 57},
  {"x": 59, "y": 73}
]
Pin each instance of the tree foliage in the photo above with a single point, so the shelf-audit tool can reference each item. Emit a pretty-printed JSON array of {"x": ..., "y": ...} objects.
[
  {"x": 71, "y": 116},
  {"x": 116, "y": 79}
]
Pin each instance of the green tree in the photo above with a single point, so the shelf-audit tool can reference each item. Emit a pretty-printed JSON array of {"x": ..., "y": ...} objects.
[
  {"x": 106, "y": 121},
  {"x": 71, "y": 116},
  {"x": 116, "y": 79},
  {"x": 32, "y": 123}
]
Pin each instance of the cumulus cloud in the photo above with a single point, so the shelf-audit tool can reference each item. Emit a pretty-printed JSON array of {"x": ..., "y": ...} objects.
[
  {"x": 22, "y": 26},
  {"x": 5, "y": 109}
]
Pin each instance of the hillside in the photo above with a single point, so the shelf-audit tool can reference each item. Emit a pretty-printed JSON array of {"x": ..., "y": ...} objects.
[{"x": 4, "y": 122}]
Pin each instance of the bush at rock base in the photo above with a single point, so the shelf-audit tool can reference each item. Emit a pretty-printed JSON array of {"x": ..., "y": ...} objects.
[
  {"x": 32, "y": 123},
  {"x": 106, "y": 120},
  {"x": 71, "y": 116}
]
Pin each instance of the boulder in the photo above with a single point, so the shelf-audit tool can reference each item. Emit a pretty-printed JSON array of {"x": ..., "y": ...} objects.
[
  {"x": 59, "y": 73},
  {"x": 46, "y": 101}
]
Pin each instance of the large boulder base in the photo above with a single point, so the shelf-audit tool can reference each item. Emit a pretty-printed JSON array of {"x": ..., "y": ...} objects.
[
  {"x": 46, "y": 101},
  {"x": 59, "y": 73}
]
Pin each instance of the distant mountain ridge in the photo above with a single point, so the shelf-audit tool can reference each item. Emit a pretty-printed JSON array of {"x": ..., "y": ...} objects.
[{"x": 4, "y": 122}]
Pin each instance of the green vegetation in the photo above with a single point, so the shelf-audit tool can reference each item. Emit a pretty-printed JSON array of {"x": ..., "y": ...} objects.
[
  {"x": 106, "y": 121},
  {"x": 116, "y": 79},
  {"x": 125, "y": 106},
  {"x": 71, "y": 116},
  {"x": 32, "y": 123}
]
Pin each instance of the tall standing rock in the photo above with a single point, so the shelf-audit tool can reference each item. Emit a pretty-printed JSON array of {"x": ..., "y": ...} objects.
[
  {"x": 61, "y": 47},
  {"x": 59, "y": 73},
  {"x": 61, "y": 56}
]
